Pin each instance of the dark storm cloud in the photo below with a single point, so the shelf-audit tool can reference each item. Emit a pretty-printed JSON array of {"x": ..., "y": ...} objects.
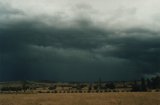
[
  {"x": 143, "y": 52},
  {"x": 86, "y": 53},
  {"x": 59, "y": 47},
  {"x": 28, "y": 50}
]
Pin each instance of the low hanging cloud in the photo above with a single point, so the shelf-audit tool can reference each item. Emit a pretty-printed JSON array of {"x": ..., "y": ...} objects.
[{"x": 60, "y": 44}]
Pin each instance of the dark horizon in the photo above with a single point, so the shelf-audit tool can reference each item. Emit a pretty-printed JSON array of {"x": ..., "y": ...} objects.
[{"x": 52, "y": 80}]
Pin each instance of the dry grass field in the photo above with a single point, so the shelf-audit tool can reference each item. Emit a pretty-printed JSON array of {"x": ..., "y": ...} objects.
[{"x": 151, "y": 98}]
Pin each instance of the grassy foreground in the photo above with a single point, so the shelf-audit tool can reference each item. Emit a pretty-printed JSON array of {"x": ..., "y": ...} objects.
[{"x": 150, "y": 98}]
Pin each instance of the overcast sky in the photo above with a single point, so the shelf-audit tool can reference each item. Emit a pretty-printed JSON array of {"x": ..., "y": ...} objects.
[{"x": 79, "y": 40}]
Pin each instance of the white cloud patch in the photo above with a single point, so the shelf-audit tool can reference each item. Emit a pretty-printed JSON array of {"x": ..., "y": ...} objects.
[{"x": 115, "y": 14}]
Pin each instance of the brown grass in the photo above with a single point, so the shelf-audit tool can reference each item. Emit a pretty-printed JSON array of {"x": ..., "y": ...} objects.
[{"x": 81, "y": 99}]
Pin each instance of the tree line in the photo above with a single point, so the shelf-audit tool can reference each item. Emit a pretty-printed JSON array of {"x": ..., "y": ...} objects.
[
  {"x": 142, "y": 85},
  {"x": 147, "y": 84}
]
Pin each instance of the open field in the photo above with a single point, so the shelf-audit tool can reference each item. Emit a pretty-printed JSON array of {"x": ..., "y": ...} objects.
[{"x": 148, "y": 98}]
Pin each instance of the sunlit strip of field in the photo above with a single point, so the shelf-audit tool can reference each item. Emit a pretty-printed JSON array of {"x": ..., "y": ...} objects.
[{"x": 148, "y": 98}]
